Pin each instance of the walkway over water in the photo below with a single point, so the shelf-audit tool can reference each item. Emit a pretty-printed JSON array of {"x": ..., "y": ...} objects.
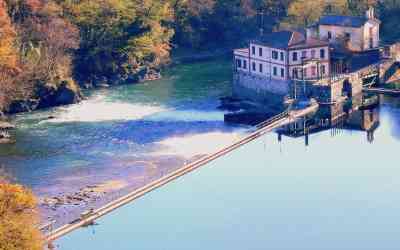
[
  {"x": 275, "y": 122},
  {"x": 270, "y": 194}
]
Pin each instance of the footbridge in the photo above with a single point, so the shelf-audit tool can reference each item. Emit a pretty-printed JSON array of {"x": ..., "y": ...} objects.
[{"x": 88, "y": 218}]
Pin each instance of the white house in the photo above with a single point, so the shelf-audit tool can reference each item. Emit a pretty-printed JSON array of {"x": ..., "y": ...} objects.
[{"x": 283, "y": 56}]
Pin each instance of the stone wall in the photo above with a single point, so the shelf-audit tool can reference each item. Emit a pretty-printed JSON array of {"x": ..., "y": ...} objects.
[{"x": 259, "y": 89}]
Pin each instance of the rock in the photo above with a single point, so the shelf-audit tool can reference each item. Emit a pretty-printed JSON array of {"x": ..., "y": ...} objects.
[
  {"x": 101, "y": 82},
  {"x": 66, "y": 92},
  {"x": 19, "y": 106},
  {"x": 144, "y": 74}
]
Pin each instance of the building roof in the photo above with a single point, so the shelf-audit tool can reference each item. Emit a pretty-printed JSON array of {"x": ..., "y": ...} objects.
[
  {"x": 309, "y": 43},
  {"x": 345, "y": 21},
  {"x": 281, "y": 39}
]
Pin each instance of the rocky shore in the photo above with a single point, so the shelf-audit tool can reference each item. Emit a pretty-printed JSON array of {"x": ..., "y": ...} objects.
[{"x": 47, "y": 95}]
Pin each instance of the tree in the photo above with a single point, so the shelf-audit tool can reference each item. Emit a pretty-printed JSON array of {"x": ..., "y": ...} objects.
[
  {"x": 18, "y": 219},
  {"x": 302, "y": 13}
]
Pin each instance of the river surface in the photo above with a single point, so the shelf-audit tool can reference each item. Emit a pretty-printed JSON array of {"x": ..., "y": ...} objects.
[
  {"x": 129, "y": 134},
  {"x": 339, "y": 192}
]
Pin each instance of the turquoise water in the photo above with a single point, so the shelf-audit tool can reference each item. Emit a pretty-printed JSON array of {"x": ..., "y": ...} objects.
[
  {"x": 340, "y": 192},
  {"x": 115, "y": 132}
]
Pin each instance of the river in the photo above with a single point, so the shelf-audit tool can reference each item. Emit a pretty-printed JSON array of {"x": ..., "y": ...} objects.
[
  {"x": 338, "y": 191},
  {"x": 122, "y": 137}
]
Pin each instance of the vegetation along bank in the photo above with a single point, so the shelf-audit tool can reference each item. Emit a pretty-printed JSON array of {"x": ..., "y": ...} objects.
[{"x": 50, "y": 49}]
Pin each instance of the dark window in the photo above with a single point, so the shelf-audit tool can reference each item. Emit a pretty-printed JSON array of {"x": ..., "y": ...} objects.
[
  {"x": 304, "y": 72},
  {"x": 274, "y": 55},
  {"x": 260, "y": 51},
  {"x": 323, "y": 72},
  {"x": 253, "y": 50},
  {"x": 329, "y": 35},
  {"x": 254, "y": 66},
  {"x": 371, "y": 38},
  {"x": 238, "y": 63},
  {"x": 294, "y": 56},
  {"x": 282, "y": 56},
  {"x": 304, "y": 54},
  {"x": 295, "y": 73},
  {"x": 275, "y": 71},
  {"x": 260, "y": 68},
  {"x": 322, "y": 53},
  {"x": 282, "y": 72},
  {"x": 347, "y": 36},
  {"x": 244, "y": 64}
]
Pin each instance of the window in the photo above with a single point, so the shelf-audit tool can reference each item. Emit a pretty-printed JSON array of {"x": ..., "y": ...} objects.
[
  {"x": 295, "y": 73},
  {"x": 347, "y": 36},
  {"x": 304, "y": 54},
  {"x": 329, "y": 35},
  {"x": 322, "y": 53},
  {"x": 323, "y": 70},
  {"x": 253, "y": 50},
  {"x": 304, "y": 72},
  {"x": 282, "y": 57},
  {"x": 313, "y": 53},
  {"x": 260, "y": 51},
  {"x": 253, "y": 66},
  {"x": 294, "y": 56},
  {"x": 238, "y": 63},
  {"x": 313, "y": 70},
  {"x": 260, "y": 68},
  {"x": 274, "y": 55},
  {"x": 275, "y": 71},
  {"x": 282, "y": 72},
  {"x": 244, "y": 64}
]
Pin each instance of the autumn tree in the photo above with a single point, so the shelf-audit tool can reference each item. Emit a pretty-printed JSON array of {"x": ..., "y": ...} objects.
[
  {"x": 302, "y": 13},
  {"x": 18, "y": 219}
]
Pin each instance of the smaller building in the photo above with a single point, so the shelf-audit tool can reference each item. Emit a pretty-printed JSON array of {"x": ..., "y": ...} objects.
[{"x": 358, "y": 33}]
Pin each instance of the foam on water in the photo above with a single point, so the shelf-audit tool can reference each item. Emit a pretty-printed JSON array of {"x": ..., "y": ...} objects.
[
  {"x": 199, "y": 144},
  {"x": 187, "y": 116},
  {"x": 98, "y": 109}
]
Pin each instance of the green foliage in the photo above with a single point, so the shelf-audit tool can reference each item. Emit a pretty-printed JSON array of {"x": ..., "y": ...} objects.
[
  {"x": 116, "y": 33},
  {"x": 48, "y": 41}
]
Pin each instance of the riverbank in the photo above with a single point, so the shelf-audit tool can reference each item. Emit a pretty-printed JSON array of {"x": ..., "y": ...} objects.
[{"x": 68, "y": 92}]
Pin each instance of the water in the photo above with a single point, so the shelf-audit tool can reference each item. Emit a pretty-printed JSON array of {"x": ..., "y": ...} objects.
[
  {"x": 116, "y": 133},
  {"x": 339, "y": 192}
]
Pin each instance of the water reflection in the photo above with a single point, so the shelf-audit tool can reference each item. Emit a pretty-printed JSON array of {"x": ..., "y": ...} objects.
[{"x": 359, "y": 113}]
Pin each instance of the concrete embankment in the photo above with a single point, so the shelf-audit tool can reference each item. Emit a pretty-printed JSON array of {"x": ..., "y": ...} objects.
[{"x": 89, "y": 218}]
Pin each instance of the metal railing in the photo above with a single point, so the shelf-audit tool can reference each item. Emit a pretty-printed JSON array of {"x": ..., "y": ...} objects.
[{"x": 273, "y": 119}]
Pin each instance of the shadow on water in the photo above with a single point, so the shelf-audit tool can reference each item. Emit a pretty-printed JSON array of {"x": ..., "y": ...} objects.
[{"x": 122, "y": 121}]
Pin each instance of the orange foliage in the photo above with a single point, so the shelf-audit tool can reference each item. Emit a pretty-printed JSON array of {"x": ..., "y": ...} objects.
[
  {"x": 8, "y": 57},
  {"x": 18, "y": 219}
]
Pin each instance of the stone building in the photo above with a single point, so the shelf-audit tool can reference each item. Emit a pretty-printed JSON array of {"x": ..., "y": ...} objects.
[
  {"x": 332, "y": 59},
  {"x": 358, "y": 33},
  {"x": 268, "y": 66}
]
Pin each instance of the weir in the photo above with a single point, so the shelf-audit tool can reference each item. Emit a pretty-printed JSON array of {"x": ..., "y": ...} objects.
[{"x": 267, "y": 126}]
